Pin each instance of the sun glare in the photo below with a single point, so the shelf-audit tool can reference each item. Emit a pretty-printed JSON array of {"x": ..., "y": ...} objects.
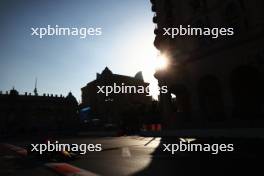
[{"x": 162, "y": 62}]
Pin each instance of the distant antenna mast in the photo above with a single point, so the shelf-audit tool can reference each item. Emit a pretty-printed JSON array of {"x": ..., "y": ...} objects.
[{"x": 35, "y": 89}]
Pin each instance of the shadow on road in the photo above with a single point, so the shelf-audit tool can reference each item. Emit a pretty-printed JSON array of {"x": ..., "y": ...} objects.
[{"x": 246, "y": 159}]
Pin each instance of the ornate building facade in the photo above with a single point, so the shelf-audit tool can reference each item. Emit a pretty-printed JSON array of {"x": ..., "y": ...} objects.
[
  {"x": 117, "y": 108},
  {"x": 217, "y": 82}
]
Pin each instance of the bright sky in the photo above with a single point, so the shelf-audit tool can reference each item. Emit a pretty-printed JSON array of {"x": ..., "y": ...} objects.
[{"x": 64, "y": 64}]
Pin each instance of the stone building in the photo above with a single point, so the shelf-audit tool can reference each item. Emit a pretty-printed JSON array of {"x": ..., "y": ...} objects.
[
  {"x": 37, "y": 114},
  {"x": 116, "y": 108},
  {"x": 217, "y": 82}
]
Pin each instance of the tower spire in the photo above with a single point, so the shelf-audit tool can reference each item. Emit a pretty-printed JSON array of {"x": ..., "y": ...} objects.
[{"x": 35, "y": 89}]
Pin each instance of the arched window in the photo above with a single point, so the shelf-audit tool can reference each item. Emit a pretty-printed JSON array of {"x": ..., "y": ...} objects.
[{"x": 210, "y": 98}]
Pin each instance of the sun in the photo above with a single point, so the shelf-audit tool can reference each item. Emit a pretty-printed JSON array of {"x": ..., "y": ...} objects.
[{"x": 161, "y": 62}]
